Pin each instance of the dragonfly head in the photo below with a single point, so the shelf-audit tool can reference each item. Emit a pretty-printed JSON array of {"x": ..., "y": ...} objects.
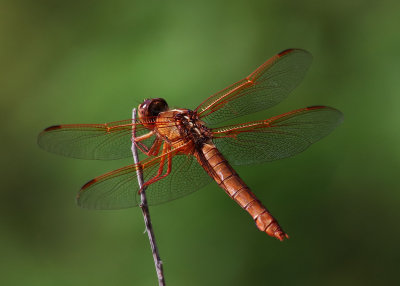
[{"x": 150, "y": 108}]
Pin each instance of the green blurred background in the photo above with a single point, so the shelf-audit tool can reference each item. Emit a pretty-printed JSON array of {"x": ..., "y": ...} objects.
[{"x": 92, "y": 61}]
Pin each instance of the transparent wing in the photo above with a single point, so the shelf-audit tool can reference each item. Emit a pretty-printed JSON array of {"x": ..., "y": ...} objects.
[
  {"x": 119, "y": 189},
  {"x": 265, "y": 87},
  {"x": 187, "y": 176},
  {"x": 276, "y": 138},
  {"x": 92, "y": 141}
]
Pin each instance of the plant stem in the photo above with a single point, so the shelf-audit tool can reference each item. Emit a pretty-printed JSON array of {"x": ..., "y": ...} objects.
[{"x": 145, "y": 209}]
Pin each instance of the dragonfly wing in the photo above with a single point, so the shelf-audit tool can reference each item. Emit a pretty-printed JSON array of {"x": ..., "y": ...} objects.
[
  {"x": 265, "y": 87},
  {"x": 278, "y": 137},
  {"x": 114, "y": 190},
  {"x": 119, "y": 189},
  {"x": 91, "y": 141},
  {"x": 187, "y": 176}
]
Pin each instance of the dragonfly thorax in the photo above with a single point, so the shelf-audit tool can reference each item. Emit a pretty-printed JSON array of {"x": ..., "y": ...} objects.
[{"x": 192, "y": 128}]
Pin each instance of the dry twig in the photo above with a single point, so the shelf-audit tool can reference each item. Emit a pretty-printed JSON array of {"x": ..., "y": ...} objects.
[{"x": 145, "y": 209}]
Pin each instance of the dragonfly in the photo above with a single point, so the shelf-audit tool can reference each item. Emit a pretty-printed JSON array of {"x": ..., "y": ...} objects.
[{"x": 185, "y": 149}]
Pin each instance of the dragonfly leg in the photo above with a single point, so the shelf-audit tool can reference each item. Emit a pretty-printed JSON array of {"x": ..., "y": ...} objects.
[
  {"x": 144, "y": 136},
  {"x": 153, "y": 150},
  {"x": 141, "y": 146},
  {"x": 158, "y": 176}
]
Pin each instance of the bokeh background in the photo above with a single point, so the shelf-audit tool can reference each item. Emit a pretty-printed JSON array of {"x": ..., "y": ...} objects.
[{"x": 92, "y": 61}]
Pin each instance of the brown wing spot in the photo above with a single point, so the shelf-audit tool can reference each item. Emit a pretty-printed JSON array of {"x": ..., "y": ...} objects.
[
  {"x": 315, "y": 107},
  {"x": 88, "y": 184},
  {"x": 281, "y": 54},
  {"x": 51, "y": 128}
]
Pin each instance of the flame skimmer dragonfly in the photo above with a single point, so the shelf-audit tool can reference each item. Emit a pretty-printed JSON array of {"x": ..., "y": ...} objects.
[{"x": 185, "y": 150}]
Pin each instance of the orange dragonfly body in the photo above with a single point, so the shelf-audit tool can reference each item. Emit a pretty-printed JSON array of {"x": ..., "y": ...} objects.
[{"x": 185, "y": 150}]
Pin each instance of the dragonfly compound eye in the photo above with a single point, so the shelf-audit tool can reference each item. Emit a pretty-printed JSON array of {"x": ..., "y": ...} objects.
[
  {"x": 152, "y": 107},
  {"x": 157, "y": 106}
]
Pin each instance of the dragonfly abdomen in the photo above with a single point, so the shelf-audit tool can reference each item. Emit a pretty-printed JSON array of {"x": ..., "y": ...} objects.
[{"x": 222, "y": 172}]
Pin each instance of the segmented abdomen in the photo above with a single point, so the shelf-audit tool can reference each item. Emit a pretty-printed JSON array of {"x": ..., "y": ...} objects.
[{"x": 220, "y": 170}]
